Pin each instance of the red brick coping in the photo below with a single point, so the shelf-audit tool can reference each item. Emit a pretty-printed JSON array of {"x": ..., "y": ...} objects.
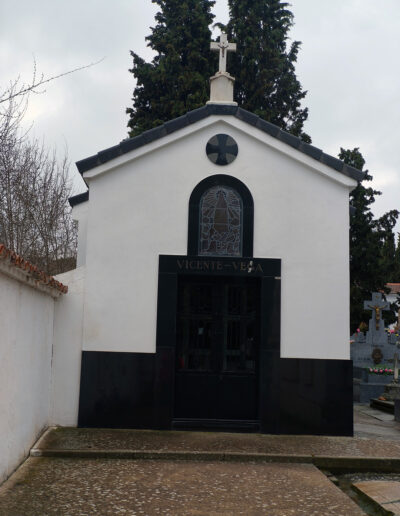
[{"x": 12, "y": 258}]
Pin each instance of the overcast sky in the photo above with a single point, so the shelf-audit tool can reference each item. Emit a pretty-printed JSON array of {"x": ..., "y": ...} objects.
[{"x": 348, "y": 63}]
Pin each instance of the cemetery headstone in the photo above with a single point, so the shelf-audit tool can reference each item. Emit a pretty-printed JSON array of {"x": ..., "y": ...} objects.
[
  {"x": 369, "y": 350},
  {"x": 376, "y": 331},
  {"x": 376, "y": 346}
]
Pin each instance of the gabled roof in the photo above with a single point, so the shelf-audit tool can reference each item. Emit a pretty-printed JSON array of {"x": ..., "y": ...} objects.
[{"x": 214, "y": 109}]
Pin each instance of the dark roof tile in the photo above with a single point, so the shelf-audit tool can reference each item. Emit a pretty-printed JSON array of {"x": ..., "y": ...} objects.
[
  {"x": 352, "y": 172},
  {"x": 332, "y": 162},
  {"x": 154, "y": 134},
  {"x": 288, "y": 138},
  {"x": 132, "y": 143},
  {"x": 78, "y": 199},
  {"x": 311, "y": 151},
  {"x": 221, "y": 109},
  {"x": 109, "y": 154},
  {"x": 267, "y": 127},
  {"x": 246, "y": 116},
  {"x": 197, "y": 114},
  {"x": 176, "y": 123},
  {"x": 88, "y": 163},
  {"x": 218, "y": 109}
]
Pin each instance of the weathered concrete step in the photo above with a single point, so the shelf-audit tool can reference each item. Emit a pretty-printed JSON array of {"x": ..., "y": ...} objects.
[
  {"x": 342, "y": 463},
  {"x": 69, "y": 438},
  {"x": 385, "y": 494},
  {"x": 387, "y": 406},
  {"x": 370, "y": 390}
]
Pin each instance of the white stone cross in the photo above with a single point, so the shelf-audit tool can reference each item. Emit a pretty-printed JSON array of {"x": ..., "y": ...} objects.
[{"x": 223, "y": 47}]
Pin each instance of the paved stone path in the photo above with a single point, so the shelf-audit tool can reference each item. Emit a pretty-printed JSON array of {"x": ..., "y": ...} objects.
[
  {"x": 375, "y": 424},
  {"x": 63, "y": 485},
  {"x": 385, "y": 493},
  {"x": 86, "y": 487}
]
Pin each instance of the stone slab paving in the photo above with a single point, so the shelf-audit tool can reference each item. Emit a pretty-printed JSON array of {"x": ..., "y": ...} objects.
[
  {"x": 375, "y": 424},
  {"x": 383, "y": 492},
  {"x": 86, "y": 487},
  {"x": 375, "y": 413}
]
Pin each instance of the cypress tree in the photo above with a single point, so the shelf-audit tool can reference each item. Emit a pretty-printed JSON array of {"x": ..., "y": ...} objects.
[
  {"x": 372, "y": 252},
  {"x": 264, "y": 65},
  {"x": 177, "y": 79}
]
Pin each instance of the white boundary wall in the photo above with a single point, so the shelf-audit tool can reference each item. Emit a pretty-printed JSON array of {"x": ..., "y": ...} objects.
[
  {"x": 67, "y": 350},
  {"x": 26, "y": 322}
]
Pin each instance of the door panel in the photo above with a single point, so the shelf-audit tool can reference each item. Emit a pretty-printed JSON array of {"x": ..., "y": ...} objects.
[
  {"x": 237, "y": 397},
  {"x": 217, "y": 348}
]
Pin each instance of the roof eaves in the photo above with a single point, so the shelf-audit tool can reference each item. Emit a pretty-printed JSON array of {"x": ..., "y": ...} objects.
[
  {"x": 88, "y": 163},
  {"x": 352, "y": 172},
  {"x": 214, "y": 109},
  {"x": 78, "y": 199}
]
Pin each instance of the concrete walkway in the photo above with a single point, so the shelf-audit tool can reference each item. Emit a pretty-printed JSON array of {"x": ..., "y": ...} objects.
[
  {"x": 383, "y": 492},
  {"x": 90, "y": 471},
  {"x": 85, "y": 487},
  {"x": 375, "y": 446}
]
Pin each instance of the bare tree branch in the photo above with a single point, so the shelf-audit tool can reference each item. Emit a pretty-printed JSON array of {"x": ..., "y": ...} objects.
[
  {"x": 35, "y": 219},
  {"x": 11, "y": 92}
]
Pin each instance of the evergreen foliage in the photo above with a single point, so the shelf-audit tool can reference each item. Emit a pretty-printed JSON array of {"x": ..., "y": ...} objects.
[
  {"x": 177, "y": 79},
  {"x": 372, "y": 246},
  {"x": 264, "y": 65}
]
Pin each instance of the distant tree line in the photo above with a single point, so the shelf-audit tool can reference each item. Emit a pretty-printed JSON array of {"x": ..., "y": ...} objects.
[{"x": 374, "y": 252}]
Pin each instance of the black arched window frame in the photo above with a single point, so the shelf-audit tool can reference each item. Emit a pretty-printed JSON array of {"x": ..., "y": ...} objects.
[{"x": 194, "y": 212}]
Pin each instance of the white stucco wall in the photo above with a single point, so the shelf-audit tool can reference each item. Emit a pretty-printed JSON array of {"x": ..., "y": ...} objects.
[
  {"x": 26, "y": 322},
  {"x": 139, "y": 210},
  {"x": 80, "y": 215},
  {"x": 67, "y": 347}
]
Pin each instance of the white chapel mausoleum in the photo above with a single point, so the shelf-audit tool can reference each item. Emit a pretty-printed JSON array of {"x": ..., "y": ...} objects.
[
  {"x": 200, "y": 300},
  {"x": 207, "y": 244}
]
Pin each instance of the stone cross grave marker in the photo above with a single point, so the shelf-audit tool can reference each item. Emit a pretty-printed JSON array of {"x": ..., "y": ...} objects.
[
  {"x": 376, "y": 346},
  {"x": 377, "y": 305},
  {"x": 223, "y": 47}
]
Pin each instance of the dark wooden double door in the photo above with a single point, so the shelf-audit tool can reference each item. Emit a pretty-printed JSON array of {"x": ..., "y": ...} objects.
[{"x": 217, "y": 349}]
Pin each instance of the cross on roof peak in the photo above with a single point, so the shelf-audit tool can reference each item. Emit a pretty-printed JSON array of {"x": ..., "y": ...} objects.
[{"x": 223, "y": 47}]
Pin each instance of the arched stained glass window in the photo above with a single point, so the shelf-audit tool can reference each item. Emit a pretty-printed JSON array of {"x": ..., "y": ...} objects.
[
  {"x": 221, "y": 222},
  {"x": 221, "y": 212}
]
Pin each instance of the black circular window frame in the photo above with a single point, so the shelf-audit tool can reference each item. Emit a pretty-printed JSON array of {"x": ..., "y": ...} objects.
[
  {"x": 222, "y": 149},
  {"x": 194, "y": 212}
]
